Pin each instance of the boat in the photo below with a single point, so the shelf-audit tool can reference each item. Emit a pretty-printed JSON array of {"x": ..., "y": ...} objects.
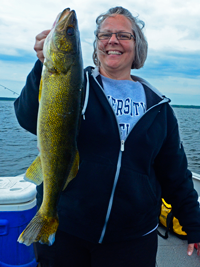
[
  {"x": 171, "y": 252},
  {"x": 196, "y": 181}
]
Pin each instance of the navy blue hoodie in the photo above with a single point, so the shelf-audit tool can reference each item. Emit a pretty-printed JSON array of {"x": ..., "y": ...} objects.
[{"x": 117, "y": 192}]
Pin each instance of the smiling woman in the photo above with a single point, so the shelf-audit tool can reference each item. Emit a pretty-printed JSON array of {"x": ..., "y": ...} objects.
[
  {"x": 135, "y": 27},
  {"x": 130, "y": 156},
  {"x": 116, "y": 55}
]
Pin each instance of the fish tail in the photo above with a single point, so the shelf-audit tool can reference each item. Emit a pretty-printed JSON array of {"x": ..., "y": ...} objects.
[{"x": 41, "y": 229}]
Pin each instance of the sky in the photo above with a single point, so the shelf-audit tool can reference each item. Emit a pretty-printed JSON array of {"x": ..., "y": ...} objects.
[{"x": 172, "y": 29}]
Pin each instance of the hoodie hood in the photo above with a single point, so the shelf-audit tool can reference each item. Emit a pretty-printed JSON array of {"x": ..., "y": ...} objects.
[{"x": 153, "y": 95}]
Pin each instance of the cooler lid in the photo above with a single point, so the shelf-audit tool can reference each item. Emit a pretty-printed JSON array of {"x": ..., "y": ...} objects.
[{"x": 15, "y": 190}]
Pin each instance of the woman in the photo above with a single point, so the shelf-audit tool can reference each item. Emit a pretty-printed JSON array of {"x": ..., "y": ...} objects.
[{"x": 130, "y": 156}]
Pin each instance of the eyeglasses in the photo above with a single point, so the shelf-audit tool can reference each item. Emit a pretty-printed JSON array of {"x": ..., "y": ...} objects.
[{"x": 119, "y": 35}]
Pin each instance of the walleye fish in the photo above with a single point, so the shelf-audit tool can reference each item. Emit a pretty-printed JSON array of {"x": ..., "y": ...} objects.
[{"x": 60, "y": 97}]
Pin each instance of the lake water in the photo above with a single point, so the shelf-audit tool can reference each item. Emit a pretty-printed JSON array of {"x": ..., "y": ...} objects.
[{"x": 18, "y": 148}]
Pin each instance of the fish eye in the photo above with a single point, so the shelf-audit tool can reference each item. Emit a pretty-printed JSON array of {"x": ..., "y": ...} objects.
[{"x": 70, "y": 31}]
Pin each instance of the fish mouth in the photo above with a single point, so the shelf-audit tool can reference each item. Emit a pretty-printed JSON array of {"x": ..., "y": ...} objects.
[
  {"x": 72, "y": 18},
  {"x": 64, "y": 13},
  {"x": 67, "y": 19},
  {"x": 71, "y": 14}
]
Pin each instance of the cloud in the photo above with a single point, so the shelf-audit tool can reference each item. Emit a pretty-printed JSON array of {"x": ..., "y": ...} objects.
[
  {"x": 171, "y": 28},
  {"x": 173, "y": 63},
  {"x": 18, "y": 56},
  {"x": 166, "y": 23},
  {"x": 13, "y": 76}
]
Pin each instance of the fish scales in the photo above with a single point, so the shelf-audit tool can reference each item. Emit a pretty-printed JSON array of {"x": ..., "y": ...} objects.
[{"x": 59, "y": 113}]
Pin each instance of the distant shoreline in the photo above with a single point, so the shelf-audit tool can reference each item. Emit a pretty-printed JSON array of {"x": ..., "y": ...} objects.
[
  {"x": 174, "y": 106},
  {"x": 8, "y": 98},
  {"x": 185, "y": 106}
]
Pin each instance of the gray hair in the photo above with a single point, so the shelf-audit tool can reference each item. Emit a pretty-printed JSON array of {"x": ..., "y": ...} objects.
[{"x": 141, "y": 45}]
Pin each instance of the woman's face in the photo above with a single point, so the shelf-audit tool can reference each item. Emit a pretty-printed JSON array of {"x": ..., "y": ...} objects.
[{"x": 114, "y": 54}]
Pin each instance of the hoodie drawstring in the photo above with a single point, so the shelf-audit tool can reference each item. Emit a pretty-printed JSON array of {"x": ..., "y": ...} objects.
[{"x": 86, "y": 95}]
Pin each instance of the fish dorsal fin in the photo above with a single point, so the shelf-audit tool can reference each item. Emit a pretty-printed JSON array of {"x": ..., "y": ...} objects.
[
  {"x": 34, "y": 172},
  {"x": 74, "y": 170}
]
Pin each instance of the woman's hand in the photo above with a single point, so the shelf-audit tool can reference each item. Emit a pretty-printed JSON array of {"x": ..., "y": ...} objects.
[
  {"x": 39, "y": 43},
  {"x": 191, "y": 249}
]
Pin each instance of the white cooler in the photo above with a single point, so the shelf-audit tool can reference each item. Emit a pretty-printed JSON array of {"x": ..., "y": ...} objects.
[{"x": 17, "y": 208}]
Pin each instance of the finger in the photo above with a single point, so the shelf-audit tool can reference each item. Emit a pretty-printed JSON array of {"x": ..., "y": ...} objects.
[
  {"x": 190, "y": 249},
  {"x": 42, "y": 35},
  {"x": 40, "y": 56},
  {"x": 39, "y": 45}
]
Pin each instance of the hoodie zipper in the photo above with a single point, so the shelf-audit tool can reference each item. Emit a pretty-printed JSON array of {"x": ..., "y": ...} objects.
[
  {"x": 122, "y": 145},
  {"x": 116, "y": 173},
  {"x": 122, "y": 148},
  {"x": 111, "y": 197}
]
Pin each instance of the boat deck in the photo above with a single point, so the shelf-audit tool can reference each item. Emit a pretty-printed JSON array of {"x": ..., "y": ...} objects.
[{"x": 172, "y": 252}]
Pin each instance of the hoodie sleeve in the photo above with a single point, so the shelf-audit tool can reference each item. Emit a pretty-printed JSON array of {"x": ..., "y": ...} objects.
[
  {"x": 26, "y": 105},
  {"x": 176, "y": 181}
]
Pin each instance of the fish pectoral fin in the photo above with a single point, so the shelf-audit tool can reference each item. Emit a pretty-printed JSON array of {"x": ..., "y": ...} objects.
[
  {"x": 34, "y": 172},
  {"x": 73, "y": 171}
]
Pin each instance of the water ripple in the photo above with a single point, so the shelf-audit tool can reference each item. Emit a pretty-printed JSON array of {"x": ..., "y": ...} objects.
[
  {"x": 18, "y": 148},
  {"x": 189, "y": 125}
]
